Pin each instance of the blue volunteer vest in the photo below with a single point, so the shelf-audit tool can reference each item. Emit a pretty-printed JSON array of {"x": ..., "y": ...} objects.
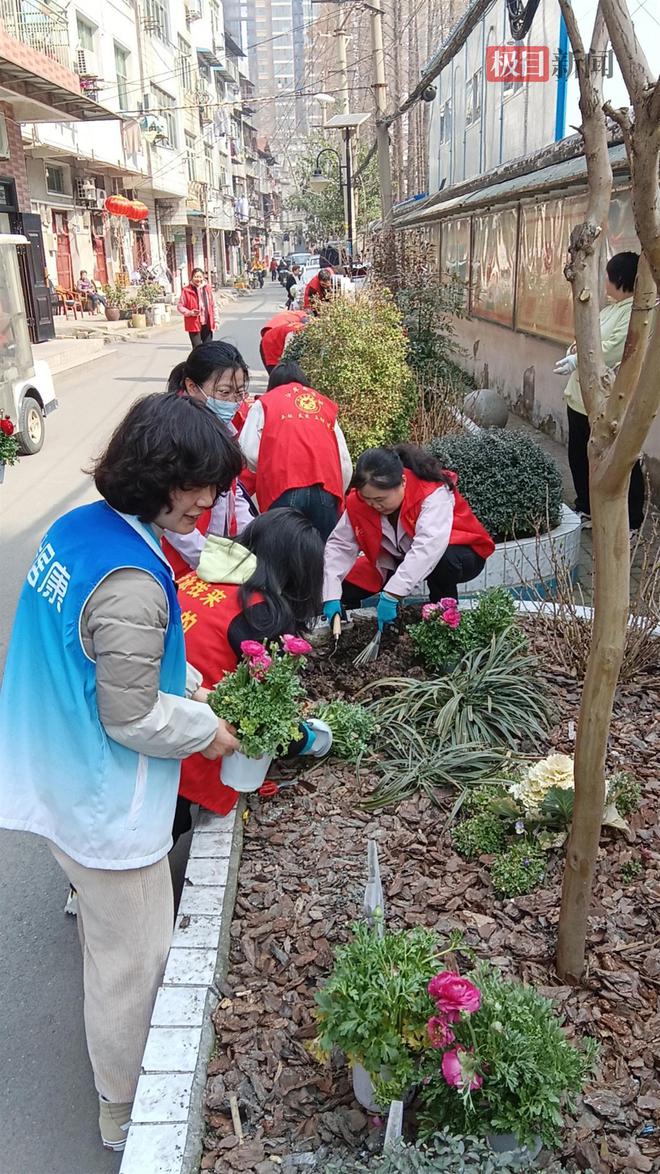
[{"x": 61, "y": 776}]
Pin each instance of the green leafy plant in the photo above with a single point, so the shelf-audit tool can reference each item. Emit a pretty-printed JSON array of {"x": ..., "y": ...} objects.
[
  {"x": 8, "y": 443},
  {"x": 506, "y": 1064},
  {"x": 625, "y": 792},
  {"x": 418, "y": 765},
  {"x": 631, "y": 871},
  {"x": 481, "y": 833},
  {"x": 519, "y": 870},
  {"x": 261, "y": 698},
  {"x": 443, "y": 1154},
  {"x": 116, "y": 295},
  {"x": 375, "y": 1004},
  {"x": 441, "y": 639},
  {"x": 513, "y": 486},
  {"x": 353, "y": 728},
  {"x": 557, "y": 807},
  {"x": 355, "y": 352}
]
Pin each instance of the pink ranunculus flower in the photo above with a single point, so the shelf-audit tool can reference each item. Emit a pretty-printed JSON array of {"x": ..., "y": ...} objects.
[
  {"x": 453, "y": 994},
  {"x": 440, "y": 1033},
  {"x": 452, "y": 618},
  {"x": 259, "y": 666},
  {"x": 458, "y": 1070},
  {"x": 295, "y": 645},
  {"x": 449, "y": 602},
  {"x": 251, "y": 648},
  {"x": 429, "y": 609}
]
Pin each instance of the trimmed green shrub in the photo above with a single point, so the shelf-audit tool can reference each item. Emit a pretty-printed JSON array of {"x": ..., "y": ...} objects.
[
  {"x": 513, "y": 486},
  {"x": 356, "y": 353},
  {"x": 519, "y": 870},
  {"x": 482, "y": 833}
]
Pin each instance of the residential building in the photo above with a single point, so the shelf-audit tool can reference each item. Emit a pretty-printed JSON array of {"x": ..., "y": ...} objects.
[
  {"x": 39, "y": 85},
  {"x": 507, "y": 181}
]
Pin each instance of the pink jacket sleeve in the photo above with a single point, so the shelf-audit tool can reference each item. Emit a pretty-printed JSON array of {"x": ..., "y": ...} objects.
[{"x": 432, "y": 534}]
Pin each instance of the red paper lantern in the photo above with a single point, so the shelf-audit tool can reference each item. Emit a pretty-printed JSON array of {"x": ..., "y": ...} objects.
[
  {"x": 117, "y": 205},
  {"x": 139, "y": 211}
]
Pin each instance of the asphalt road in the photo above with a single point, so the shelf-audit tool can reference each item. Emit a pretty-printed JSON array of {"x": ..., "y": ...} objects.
[{"x": 48, "y": 1107}]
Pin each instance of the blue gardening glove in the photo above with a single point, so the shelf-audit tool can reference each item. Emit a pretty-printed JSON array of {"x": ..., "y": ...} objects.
[
  {"x": 565, "y": 366},
  {"x": 331, "y": 608},
  {"x": 386, "y": 610}
]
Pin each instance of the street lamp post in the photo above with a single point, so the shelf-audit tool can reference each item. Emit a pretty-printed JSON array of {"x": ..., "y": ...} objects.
[{"x": 349, "y": 124}]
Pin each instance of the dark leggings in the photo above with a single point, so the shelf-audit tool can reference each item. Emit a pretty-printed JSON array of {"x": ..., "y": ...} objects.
[
  {"x": 459, "y": 564},
  {"x": 199, "y": 336},
  {"x": 578, "y": 459}
]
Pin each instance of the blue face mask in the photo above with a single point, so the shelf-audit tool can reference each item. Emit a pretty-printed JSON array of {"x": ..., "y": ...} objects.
[{"x": 223, "y": 408}]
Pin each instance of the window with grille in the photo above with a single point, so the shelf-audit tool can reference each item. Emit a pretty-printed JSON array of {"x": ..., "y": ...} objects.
[
  {"x": 190, "y": 157},
  {"x": 85, "y": 34},
  {"x": 55, "y": 180},
  {"x": 164, "y": 105},
  {"x": 156, "y": 19},
  {"x": 121, "y": 70},
  {"x": 208, "y": 164}
]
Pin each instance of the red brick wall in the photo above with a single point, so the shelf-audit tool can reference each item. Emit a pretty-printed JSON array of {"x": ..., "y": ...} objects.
[{"x": 14, "y": 167}]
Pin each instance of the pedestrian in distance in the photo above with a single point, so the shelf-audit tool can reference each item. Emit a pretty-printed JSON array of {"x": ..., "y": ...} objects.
[
  {"x": 216, "y": 374},
  {"x": 98, "y": 625},
  {"x": 293, "y": 442},
  {"x": 197, "y": 305},
  {"x": 273, "y": 269},
  {"x": 621, "y": 271},
  {"x": 404, "y": 514},
  {"x": 260, "y": 587},
  {"x": 291, "y": 286}
]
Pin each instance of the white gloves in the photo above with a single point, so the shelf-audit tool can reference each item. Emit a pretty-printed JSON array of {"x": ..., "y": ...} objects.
[{"x": 565, "y": 366}]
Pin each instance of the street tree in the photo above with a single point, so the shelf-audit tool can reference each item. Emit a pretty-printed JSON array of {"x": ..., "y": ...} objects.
[
  {"x": 324, "y": 211},
  {"x": 621, "y": 410}
]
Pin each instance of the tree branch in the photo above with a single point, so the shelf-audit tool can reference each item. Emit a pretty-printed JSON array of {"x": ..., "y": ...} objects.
[
  {"x": 629, "y": 53},
  {"x": 641, "y": 323},
  {"x": 639, "y": 414}
]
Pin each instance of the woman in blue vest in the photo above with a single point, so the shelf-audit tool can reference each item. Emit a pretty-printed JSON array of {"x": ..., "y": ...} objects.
[{"x": 98, "y": 632}]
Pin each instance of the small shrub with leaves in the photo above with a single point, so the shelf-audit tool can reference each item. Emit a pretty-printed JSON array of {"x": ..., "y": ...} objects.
[
  {"x": 444, "y": 1154},
  {"x": 353, "y": 728},
  {"x": 513, "y": 486},
  {"x": 441, "y": 639},
  {"x": 481, "y": 834},
  {"x": 631, "y": 871},
  {"x": 519, "y": 870},
  {"x": 625, "y": 792}
]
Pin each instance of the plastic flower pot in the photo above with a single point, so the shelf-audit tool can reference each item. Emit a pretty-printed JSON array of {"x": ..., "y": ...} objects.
[
  {"x": 112, "y": 313},
  {"x": 2, "y": 471},
  {"x": 507, "y": 1143},
  {"x": 363, "y": 1089},
  {"x": 244, "y": 773}
]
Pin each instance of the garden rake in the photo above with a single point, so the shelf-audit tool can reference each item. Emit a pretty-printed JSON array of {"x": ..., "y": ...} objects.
[{"x": 370, "y": 653}]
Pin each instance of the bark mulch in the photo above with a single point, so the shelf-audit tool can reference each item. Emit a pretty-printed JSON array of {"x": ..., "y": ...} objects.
[{"x": 301, "y": 884}]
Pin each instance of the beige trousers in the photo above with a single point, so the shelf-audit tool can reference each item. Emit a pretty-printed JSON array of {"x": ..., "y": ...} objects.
[{"x": 125, "y": 920}]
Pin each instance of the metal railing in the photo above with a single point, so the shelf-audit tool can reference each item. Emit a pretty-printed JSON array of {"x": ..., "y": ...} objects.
[{"x": 41, "y": 24}]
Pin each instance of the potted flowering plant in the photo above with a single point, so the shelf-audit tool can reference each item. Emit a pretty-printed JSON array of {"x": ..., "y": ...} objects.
[
  {"x": 499, "y": 1064},
  {"x": 8, "y": 445},
  {"x": 261, "y": 699},
  {"x": 375, "y": 1007},
  {"x": 446, "y": 634}
]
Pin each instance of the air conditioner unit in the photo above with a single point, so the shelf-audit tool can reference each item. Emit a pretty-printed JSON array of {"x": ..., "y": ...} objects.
[
  {"x": 101, "y": 197},
  {"x": 86, "y": 65}
]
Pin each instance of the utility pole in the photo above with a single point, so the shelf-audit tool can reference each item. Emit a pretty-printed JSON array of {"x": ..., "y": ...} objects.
[
  {"x": 207, "y": 231},
  {"x": 380, "y": 95}
]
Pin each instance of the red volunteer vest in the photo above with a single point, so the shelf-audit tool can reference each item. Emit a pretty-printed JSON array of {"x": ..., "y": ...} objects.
[
  {"x": 207, "y": 610},
  {"x": 274, "y": 334},
  {"x": 298, "y": 444},
  {"x": 368, "y": 529},
  {"x": 313, "y": 290}
]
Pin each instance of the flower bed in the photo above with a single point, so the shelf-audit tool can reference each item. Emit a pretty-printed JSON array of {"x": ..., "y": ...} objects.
[{"x": 301, "y": 884}]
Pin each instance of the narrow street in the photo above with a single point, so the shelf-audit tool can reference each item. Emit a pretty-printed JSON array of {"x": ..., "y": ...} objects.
[{"x": 48, "y": 1112}]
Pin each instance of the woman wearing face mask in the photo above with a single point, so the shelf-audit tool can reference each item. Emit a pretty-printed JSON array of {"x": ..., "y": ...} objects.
[
  {"x": 217, "y": 375},
  {"x": 98, "y": 629},
  {"x": 198, "y": 308}
]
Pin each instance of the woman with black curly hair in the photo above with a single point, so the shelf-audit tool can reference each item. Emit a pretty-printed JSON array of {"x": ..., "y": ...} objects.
[{"x": 98, "y": 632}]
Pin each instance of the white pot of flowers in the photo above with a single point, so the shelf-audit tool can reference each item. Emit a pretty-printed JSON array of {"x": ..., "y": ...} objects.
[{"x": 244, "y": 773}]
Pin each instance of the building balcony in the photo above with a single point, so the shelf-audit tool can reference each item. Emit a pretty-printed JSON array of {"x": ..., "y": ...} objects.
[{"x": 36, "y": 65}]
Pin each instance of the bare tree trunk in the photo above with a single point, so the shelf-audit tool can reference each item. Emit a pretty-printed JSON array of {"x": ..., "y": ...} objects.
[{"x": 620, "y": 417}]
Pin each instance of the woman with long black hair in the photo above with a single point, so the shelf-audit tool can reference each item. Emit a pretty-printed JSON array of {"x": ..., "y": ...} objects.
[
  {"x": 405, "y": 515},
  {"x": 260, "y": 587}
]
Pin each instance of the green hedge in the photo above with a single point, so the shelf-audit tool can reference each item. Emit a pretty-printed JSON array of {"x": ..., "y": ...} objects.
[{"x": 513, "y": 486}]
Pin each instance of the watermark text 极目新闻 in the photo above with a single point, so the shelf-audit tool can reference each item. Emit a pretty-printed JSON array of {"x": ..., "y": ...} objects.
[{"x": 532, "y": 63}]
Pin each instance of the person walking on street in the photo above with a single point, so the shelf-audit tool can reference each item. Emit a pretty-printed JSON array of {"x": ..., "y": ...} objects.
[
  {"x": 293, "y": 442},
  {"x": 98, "y": 626},
  {"x": 406, "y": 516},
  {"x": 291, "y": 285},
  {"x": 273, "y": 269},
  {"x": 281, "y": 268},
  {"x": 621, "y": 271},
  {"x": 197, "y": 306}
]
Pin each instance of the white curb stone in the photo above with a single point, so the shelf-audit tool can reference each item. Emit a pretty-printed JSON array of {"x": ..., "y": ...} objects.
[{"x": 166, "y": 1130}]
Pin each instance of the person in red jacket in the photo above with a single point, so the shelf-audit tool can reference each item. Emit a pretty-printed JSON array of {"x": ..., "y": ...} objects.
[
  {"x": 266, "y": 584},
  {"x": 405, "y": 515},
  {"x": 319, "y": 289},
  {"x": 275, "y": 333},
  {"x": 198, "y": 308},
  {"x": 293, "y": 442}
]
